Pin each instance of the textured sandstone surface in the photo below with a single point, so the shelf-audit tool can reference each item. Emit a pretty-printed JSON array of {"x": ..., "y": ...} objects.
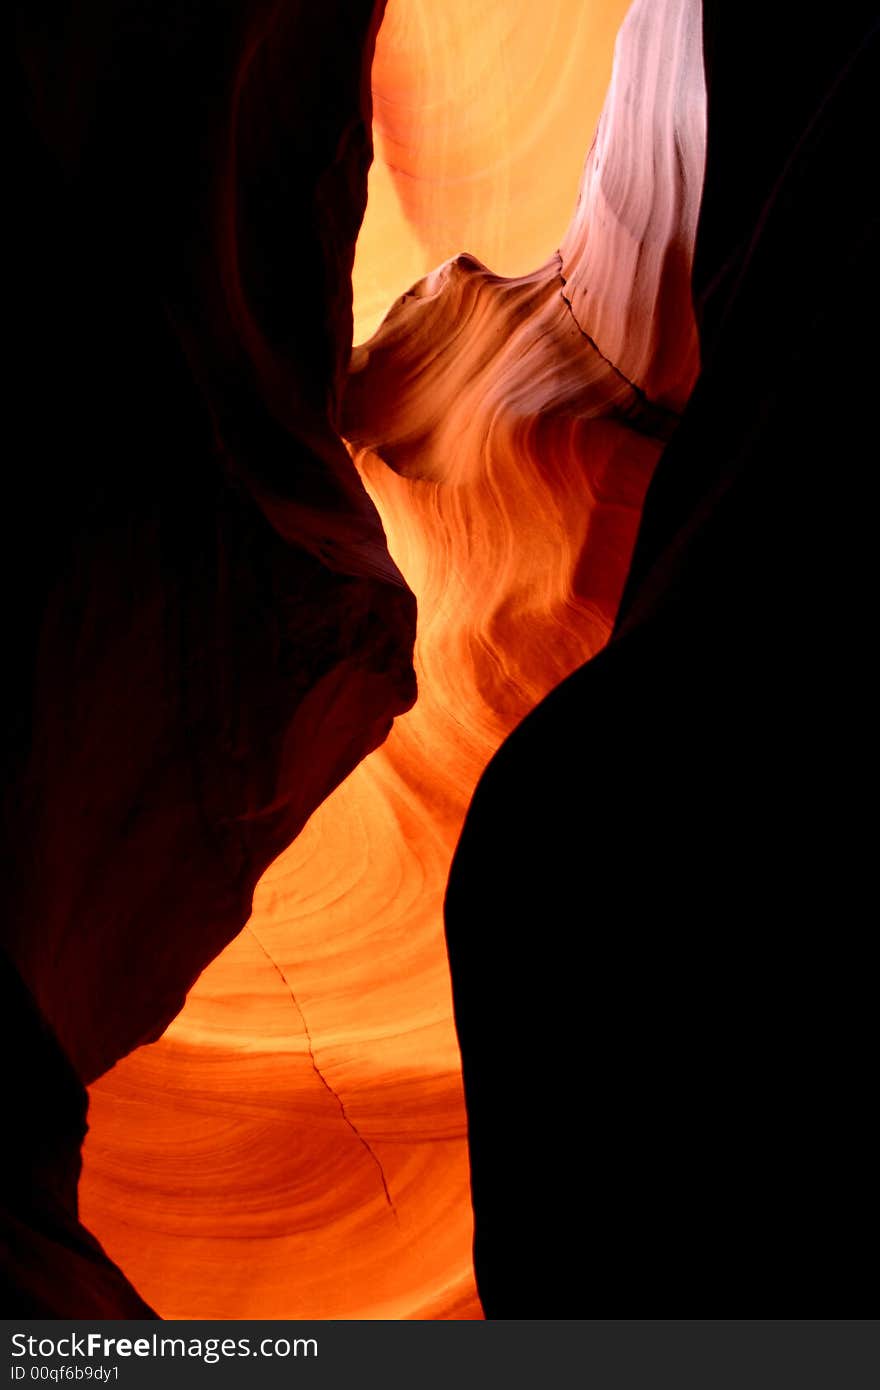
[
  {"x": 633, "y": 1060},
  {"x": 311, "y": 1090}
]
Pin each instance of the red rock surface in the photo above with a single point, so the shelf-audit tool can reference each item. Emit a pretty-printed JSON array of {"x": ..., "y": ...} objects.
[
  {"x": 654, "y": 942},
  {"x": 204, "y": 628},
  {"x": 308, "y": 1098}
]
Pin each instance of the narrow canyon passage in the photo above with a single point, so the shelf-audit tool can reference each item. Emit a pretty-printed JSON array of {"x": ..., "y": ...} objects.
[
  {"x": 583, "y": 973},
  {"x": 295, "y": 1144}
]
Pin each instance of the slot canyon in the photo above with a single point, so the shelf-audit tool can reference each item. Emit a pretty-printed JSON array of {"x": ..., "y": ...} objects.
[{"x": 436, "y": 706}]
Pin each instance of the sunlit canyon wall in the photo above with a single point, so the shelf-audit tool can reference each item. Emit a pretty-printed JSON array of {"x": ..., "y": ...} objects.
[
  {"x": 296, "y": 1141},
  {"x": 482, "y": 116},
  {"x": 653, "y": 867}
]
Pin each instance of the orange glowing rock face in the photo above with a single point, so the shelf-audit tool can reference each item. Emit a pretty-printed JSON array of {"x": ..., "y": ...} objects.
[
  {"x": 295, "y": 1145},
  {"x": 481, "y": 117}
]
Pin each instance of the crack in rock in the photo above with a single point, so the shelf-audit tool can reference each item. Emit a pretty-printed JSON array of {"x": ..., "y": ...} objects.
[
  {"x": 322, "y": 1078},
  {"x": 666, "y": 418}
]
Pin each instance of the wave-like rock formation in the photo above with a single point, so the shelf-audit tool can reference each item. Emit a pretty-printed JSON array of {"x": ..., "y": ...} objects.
[
  {"x": 310, "y": 1091},
  {"x": 650, "y": 1070},
  {"x": 204, "y": 629}
]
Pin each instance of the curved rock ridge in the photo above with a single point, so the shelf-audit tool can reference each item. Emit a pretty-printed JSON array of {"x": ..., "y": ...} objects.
[
  {"x": 470, "y": 365},
  {"x": 311, "y": 1090}
]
